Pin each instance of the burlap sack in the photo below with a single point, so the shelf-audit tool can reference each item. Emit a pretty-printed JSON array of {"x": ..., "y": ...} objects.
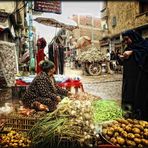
[{"x": 8, "y": 62}]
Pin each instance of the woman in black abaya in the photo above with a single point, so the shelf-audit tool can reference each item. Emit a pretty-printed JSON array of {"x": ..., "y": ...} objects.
[{"x": 135, "y": 75}]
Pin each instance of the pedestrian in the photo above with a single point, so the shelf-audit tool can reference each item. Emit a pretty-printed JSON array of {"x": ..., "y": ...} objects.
[
  {"x": 44, "y": 89},
  {"x": 108, "y": 58},
  {"x": 41, "y": 44},
  {"x": 135, "y": 74}
]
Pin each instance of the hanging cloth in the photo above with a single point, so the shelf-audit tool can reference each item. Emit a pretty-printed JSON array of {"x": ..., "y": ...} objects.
[
  {"x": 39, "y": 57},
  {"x": 61, "y": 59},
  {"x": 8, "y": 62},
  {"x": 50, "y": 52},
  {"x": 56, "y": 58}
]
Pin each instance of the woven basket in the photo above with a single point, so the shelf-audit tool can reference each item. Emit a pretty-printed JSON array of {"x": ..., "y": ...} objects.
[{"x": 20, "y": 123}]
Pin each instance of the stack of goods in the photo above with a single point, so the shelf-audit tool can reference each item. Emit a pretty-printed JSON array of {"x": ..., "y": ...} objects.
[
  {"x": 91, "y": 55},
  {"x": 71, "y": 121},
  {"x": 14, "y": 139},
  {"x": 126, "y": 133},
  {"x": 74, "y": 121}
]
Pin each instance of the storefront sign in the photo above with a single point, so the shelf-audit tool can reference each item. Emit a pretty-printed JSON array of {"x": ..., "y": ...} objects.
[{"x": 47, "y": 6}]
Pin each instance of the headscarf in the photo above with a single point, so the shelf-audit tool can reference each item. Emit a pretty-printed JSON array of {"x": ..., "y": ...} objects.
[
  {"x": 139, "y": 46},
  {"x": 42, "y": 43}
]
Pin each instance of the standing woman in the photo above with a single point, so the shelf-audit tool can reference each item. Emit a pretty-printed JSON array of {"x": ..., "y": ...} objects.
[
  {"x": 135, "y": 74},
  {"x": 41, "y": 44}
]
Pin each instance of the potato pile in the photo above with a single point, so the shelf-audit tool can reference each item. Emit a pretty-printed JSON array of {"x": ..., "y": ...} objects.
[
  {"x": 127, "y": 133},
  {"x": 14, "y": 140}
]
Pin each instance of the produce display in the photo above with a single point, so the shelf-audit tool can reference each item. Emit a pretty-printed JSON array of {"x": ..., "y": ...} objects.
[
  {"x": 14, "y": 139},
  {"x": 84, "y": 96},
  {"x": 106, "y": 110},
  {"x": 72, "y": 120},
  {"x": 127, "y": 133},
  {"x": 91, "y": 55}
]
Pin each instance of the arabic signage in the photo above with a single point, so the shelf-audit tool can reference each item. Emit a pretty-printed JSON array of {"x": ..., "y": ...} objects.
[{"x": 48, "y": 6}]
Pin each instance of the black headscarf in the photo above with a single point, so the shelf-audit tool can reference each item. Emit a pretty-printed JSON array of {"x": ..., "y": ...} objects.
[{"x": 139, "y": 46}]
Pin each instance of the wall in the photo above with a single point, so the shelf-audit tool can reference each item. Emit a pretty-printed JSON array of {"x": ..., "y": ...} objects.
[
  {"x": 88, "y": 26},
  {"x": 127, "y": 16}
]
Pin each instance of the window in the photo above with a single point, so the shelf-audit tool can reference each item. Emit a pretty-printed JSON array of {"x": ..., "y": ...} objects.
[
  {"x": 143, "y": 7},
  {"x": 114, "y": 21}
]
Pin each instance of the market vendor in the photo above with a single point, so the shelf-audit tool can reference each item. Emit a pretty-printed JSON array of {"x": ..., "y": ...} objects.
[{"x": 43, "y": 88}]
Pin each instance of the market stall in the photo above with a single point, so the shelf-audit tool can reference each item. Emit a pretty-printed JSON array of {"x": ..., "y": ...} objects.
[{"x": 82, "y": 120}]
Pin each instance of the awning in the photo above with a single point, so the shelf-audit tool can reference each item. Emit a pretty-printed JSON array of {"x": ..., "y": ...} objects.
[{"x": 57, "y": 22}]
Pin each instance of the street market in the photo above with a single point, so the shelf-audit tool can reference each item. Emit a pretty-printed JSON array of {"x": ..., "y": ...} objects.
[{"x": 82, "y": 84}]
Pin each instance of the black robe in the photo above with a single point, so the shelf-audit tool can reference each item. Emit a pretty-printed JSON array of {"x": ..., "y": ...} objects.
[
  {"x": 141, "y": 96},
  {"x": 130, "y": 75}
]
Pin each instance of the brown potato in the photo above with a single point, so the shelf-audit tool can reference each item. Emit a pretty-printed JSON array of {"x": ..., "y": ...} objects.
[
  {"x": 120, "y": 140},
  {"x": 130, "y": 135},
  {"x": 145, "y": 130},
  {"x": 137, "y": 136},
  {"x": 123, "y": 125},
  {"x": 104, "y": 131},
  {"x": 130, "y": 120},
  {"x": 136, "y": 130},
  {"x": 145, "y": 142},
  {"x": 124, "y": 134},
  {"x": 130, "y": 143},
  {"x": 110, "y": 133},
  {"x": 116, "y": 134},
  {"x": 128, "y": 128},
  {"x": 135, "y": 121},
  {"x": 138, "y": 126},
  {"x": 140, "y": 145},
  {"x": 113, "y": 140},
  {"x": 137, "y": 140}
]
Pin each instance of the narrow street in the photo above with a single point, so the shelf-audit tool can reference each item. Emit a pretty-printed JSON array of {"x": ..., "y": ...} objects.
[{"x": 105, "y": 86}]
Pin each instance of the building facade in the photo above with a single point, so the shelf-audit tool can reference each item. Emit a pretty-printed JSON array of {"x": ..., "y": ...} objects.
[
  {"x": 88, "y": 26},
  {"x": 119, "y": 16}
]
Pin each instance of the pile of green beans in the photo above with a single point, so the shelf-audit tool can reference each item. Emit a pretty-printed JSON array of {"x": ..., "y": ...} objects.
[{"x": 106, "y": 110}]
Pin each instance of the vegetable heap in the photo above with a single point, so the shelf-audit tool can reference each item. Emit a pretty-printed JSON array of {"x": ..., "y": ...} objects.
[
  {"x": 106, "y": 110},
  {"x": 15, "y": 140},
  {"x": 72, "y": 120},
  {"x": 127, "y": 133},
  {"x": 84, "y": 96}
]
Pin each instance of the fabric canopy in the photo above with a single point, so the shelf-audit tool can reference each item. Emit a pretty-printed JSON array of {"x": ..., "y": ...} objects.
[{"x": 66, "y": 23}]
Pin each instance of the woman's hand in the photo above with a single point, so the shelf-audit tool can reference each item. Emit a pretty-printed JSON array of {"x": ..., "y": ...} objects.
[
  {"x": 69, "y": 93},
  {"x": 126, "y": 54},
  {"x": 58, "y": 99}
]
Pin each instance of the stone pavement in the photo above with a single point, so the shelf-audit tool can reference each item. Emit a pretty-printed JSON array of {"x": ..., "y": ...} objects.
[{"x": 107, "y": 86}]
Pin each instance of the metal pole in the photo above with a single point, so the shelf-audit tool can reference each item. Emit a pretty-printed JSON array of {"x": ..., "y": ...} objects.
[{"x": 32, "y": 64}]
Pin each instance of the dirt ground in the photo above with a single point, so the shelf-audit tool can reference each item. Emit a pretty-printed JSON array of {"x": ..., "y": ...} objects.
[{"x": 106, "y": 86}]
